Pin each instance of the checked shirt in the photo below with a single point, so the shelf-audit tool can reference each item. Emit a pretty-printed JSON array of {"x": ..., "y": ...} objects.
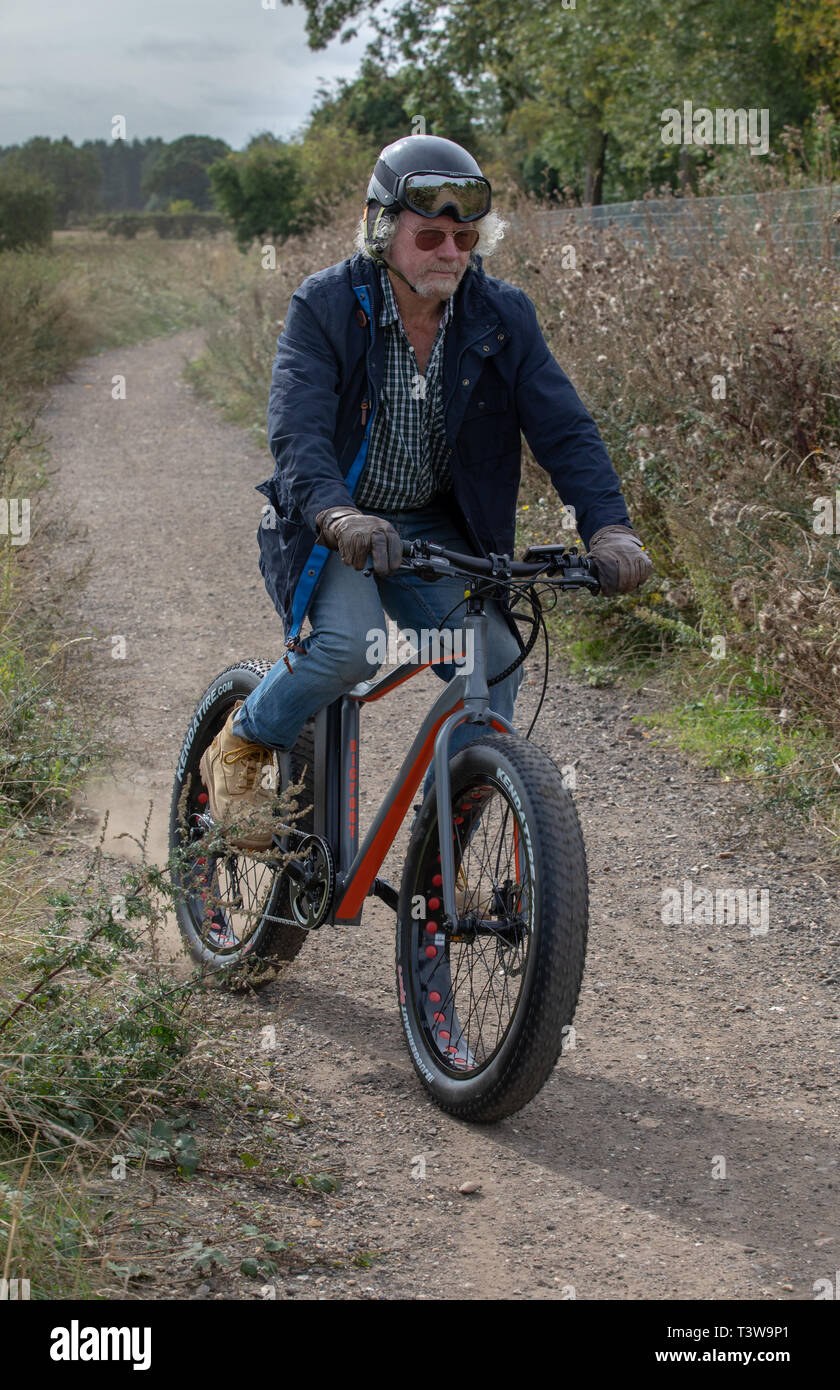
[{"x": 406, "y": 465}]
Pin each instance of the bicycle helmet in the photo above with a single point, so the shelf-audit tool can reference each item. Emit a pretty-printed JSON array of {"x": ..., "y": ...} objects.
[{"x": 429, "y": 175}]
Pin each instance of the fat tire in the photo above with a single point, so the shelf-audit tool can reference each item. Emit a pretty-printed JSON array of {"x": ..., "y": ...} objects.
[
  {"x": 270, "y": 941},
  {"x": 555, "y": 962}
]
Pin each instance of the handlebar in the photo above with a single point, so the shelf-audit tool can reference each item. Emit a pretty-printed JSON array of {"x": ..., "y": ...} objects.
[{"x": 565, "y": 568}]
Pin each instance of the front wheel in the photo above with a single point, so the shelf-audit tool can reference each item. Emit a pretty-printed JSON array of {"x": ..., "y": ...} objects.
[{"x": 486, "y": 1007}]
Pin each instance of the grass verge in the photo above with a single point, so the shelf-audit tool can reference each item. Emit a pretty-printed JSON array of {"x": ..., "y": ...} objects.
[{"x": 106, "y": 1055}]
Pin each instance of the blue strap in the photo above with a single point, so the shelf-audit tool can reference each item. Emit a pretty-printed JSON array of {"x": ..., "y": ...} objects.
[
  {"x": 363, "y": 295},
  {"x": 354, "y": 473},
  {"x": 319, "y": 554}
]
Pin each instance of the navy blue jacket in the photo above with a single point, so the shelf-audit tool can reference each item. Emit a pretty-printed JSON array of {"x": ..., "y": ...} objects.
[{"x": 499, "y": 378}]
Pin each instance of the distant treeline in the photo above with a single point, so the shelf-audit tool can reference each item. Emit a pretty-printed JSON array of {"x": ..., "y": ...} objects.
[
  {"x": 115, "y": 175},
  {"x": 125, "y": 164}
]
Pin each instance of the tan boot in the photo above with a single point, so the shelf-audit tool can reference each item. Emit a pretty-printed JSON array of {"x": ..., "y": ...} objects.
[
  {"x": 483, "y": 904},
  {"x": 234, "y": 772}
]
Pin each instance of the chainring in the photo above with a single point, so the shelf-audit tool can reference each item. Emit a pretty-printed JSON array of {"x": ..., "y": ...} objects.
[{"x": 311, "y": 900}]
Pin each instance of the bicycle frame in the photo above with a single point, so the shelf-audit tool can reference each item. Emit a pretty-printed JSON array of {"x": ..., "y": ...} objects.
[{"x": 466, "y": 697}]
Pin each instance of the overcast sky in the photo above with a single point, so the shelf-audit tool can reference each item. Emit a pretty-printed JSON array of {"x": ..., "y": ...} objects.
[{"x": 227, "y": 68}]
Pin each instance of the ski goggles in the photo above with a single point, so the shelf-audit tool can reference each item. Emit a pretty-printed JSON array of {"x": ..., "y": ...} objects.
[{"x": 463, "y": 196}]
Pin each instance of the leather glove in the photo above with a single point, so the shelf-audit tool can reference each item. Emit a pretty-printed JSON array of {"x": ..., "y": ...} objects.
[
  {"x": 355, "y": 535},
  {"x": 622, "y": 561}
]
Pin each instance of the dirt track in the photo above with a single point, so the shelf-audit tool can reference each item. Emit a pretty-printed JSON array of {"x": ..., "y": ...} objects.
[{"x": 694, "y": 1043}]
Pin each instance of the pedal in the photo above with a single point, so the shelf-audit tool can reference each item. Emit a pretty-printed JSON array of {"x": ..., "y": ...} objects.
[{"x": 296, "y": 871}]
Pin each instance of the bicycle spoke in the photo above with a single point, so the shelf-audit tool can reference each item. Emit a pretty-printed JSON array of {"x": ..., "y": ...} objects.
[{"x": 472, "y": 977}]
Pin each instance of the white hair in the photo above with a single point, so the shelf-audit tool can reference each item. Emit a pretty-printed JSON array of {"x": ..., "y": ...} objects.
[{"x": 491, "y": 228}]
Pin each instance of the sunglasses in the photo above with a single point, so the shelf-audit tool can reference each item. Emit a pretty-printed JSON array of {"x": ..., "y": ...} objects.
[{"x": 428, "y": 238}]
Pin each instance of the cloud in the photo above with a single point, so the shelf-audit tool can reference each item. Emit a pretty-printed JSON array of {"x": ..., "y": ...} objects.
[
  {"x": 193, "y": 66},
  {"x": 185, "y": 50}
]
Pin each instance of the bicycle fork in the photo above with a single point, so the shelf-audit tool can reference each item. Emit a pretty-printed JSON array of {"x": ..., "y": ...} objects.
[{"x": 476, "y": 711}]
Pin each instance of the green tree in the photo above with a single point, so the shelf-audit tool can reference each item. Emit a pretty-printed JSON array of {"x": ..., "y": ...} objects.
[
  {"x": 181, "y": 170},
  {"x": 373, "y": 105},
  {"x": 261, "y": 189},
  {"x": 27, "y": 208},
  {"x": 572, "y": 90},
  {"x": 380, "y": 107},
  {"x": 335, "y": 163},
  {"x": 811, "y": 30},
  {"x": 74, "y": 175},
  {"x": 123, "y": 165}
]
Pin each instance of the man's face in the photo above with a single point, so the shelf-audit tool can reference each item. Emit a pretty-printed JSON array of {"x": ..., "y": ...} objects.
[{"x": 436, "y": 274}]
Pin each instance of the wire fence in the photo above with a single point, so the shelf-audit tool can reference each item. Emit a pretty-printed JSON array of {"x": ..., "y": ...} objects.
[{"x": 807, "y": 218}]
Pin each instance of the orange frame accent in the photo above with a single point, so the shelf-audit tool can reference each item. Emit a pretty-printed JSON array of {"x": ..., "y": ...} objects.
[
  {"x": 379, "y": 694},
  {"x": 358, "y": 887}
]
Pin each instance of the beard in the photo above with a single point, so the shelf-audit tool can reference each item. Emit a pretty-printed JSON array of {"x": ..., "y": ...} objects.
[{"x": 438, "y": 284}]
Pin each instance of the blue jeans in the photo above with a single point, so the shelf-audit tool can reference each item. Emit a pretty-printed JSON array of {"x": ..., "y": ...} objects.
[{"x": 346, "y": 610}]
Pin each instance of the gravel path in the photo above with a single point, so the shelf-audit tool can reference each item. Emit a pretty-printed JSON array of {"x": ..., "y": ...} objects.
[{"x": 699, "y": 1050}]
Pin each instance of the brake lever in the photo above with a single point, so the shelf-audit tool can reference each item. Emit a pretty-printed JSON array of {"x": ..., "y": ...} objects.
[
  {"x": 579, "y": 572},
  {"x": 413, "y": 564},
  {"x": 592, "y": 580}
]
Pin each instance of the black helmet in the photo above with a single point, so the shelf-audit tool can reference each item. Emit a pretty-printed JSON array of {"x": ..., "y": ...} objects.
[{"x": 430, "y": 176}]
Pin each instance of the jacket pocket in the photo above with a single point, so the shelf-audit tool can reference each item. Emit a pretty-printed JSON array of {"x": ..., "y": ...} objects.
[
  {"x": 490, "y": 425},
  {"x": 281, "y": 543},
  {"x": 280, "y": 503},
  {"x": 485, "y": 401}
]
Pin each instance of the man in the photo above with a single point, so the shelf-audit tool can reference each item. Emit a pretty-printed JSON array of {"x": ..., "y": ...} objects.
[{"x": 399, "y": 390}]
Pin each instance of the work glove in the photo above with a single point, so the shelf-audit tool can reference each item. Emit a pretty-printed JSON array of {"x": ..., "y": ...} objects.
[
  {"x": 355, "y": 535},
  {"x": 622, "y": 561}
]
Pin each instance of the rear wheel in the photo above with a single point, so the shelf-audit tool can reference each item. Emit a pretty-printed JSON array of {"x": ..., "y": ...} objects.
[
  {"x": 227, "y": 901},
  {"x": 486, "y": 1006}
]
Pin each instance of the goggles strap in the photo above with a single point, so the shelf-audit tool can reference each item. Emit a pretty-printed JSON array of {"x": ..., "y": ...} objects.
[
  {"x": 394, "y": 271},
  {"x": 377, "y": 255},
  {"x": 379, "y": 217}
]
